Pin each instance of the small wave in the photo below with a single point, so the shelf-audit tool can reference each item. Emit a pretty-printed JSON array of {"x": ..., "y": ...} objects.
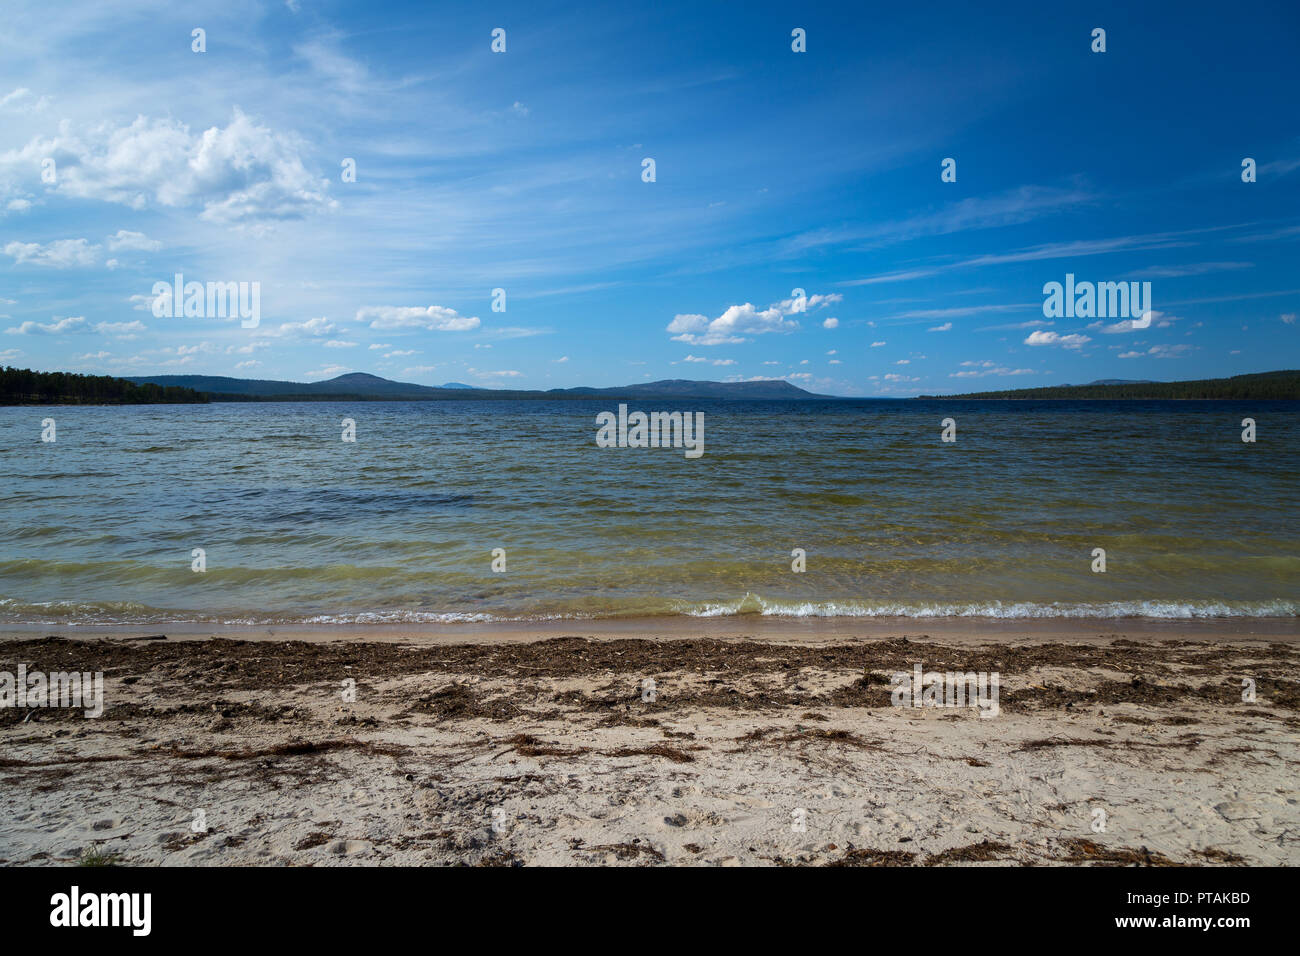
[
  {"x": 1171, "y": 610},
  {"x": 126, "y": 613}
]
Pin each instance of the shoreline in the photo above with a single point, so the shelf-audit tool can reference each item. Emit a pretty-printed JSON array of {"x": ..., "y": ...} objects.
[{"x": 735, "y": 627}]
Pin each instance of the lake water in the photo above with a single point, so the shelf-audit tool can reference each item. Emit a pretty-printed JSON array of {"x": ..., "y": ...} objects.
[{"x": 299, "y": 526}]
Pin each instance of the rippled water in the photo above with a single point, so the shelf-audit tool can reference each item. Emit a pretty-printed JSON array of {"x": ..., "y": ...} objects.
[{"x": 400, "y": 525}]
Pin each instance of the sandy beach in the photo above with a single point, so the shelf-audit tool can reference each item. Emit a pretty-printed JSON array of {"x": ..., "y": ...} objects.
[{"x": 737, "y": 742}]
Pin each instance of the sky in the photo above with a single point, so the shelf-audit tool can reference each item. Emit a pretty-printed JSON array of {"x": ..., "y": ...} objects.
[{"x": 774, "y": 171}]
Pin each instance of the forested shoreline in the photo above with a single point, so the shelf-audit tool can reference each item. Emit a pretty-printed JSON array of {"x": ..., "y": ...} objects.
[{"x": 20, "y": 386}]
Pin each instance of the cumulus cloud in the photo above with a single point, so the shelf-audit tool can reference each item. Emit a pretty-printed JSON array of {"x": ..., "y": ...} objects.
[
  {"x": 740, "y": 322},
  {"x": 59, "y": 254},
  {"x": 312, "y": 328},
  {"x": 810, "y": 303},
  {"x": 57, "y": 327},
  {"x": 124, "y": 240},
  {"x": 940, "y": 328},
  {"x": 734, "y": 325},
  {"x": 831, "y": 323},
  {"x": 242, "y": 173},
  {"x": 1072, "y": 341},
  {"x": 435, "y": 318}
]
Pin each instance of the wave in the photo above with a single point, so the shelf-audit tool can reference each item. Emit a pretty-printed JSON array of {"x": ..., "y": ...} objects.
[
  {"x": 70, "y": 613},
  {"x": 1166, "y": 609}
]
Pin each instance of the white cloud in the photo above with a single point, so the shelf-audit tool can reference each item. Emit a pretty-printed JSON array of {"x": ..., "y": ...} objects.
[
  {"x": 941, "y": 328},
  {"x": 737, "y": 322},
  {"x": 57, "y": 327},
  {"x": 831, "y": 323},
  {"x": 1072, "y": 341},
  {"x": 59, "y": 254},
  {"x": 434, "y": 318},
  {"x": 740, "y": 321},
  {"x": 312, "y": 327},
  {"x": 1159, "y": 320},
  {"x": 876, "y": 345},
  {"x": 1159, "y": 351},
  {"x": 122, "y": 330},
  {"x": 811, "y": 303},
  {"x": 124, "y": 240},
  {"x": 242, "y": 173},
  {"x": 328, "y": 371},
  {"x": 989, "y": 369},
  {"x": 23, "y": 100},
  {"x": 1288, "y": 318}
]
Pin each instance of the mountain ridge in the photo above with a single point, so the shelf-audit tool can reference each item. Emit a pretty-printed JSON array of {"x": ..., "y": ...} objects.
[{"x": 353, "y": 386}]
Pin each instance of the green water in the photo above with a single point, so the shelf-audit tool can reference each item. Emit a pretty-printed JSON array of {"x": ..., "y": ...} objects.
[{"x": 299, "y": 526}]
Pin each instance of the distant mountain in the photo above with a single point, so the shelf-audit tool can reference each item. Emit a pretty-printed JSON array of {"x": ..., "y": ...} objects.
[
  {"x": 459, "y": 385},
  {"x": 1122, "y": 381},
  {"x": 1260, "y": 385},
  {"x": 365, "y": 387},
  {"x": 684, "y": 388}
]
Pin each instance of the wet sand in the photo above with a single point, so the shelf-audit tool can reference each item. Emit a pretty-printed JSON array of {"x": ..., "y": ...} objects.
[
  {"x": 760, "y": 742},
  {"x": 758, "y": 627}
]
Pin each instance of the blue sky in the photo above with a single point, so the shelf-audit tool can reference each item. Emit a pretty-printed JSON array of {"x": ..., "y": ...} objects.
[{"x": 774, "y": 171}]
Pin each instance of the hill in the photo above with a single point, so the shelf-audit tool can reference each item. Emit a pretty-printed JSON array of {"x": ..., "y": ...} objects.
[
  {"x": 1259, "y": 385},
  {"x": 361, "y": 386}
]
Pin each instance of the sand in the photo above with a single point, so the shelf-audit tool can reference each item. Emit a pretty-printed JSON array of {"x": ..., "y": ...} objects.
[{"x": 518, "y": 746}]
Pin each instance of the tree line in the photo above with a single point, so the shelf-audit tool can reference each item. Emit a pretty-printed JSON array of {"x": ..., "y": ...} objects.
[
  {"x": 1261, "y": 385},
  {"x": 20, "y": 386}
]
